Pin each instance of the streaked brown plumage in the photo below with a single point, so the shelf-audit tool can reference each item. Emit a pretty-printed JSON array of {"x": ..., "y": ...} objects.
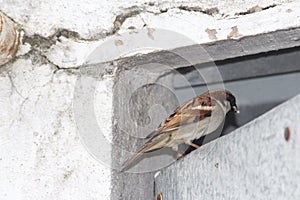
[{"x": 195, "y": 118}]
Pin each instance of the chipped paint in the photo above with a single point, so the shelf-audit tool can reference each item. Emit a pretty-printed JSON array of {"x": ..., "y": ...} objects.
[
  {"x": 119, "y": 42},
  {"x": 211, "y": 33},
  {"x": 9, "y": 39},
  {"x": 62, "y": 41},
  {"x": 234, "y": 34},
  {"x": 150, "y": 32}
]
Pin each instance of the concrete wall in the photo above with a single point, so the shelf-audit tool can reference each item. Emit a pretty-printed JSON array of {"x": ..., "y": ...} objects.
[{"x": 60, "y": 65}]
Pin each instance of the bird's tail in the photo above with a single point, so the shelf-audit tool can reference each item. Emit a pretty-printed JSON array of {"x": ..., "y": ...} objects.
[
  {"x": 150, "y": 145},
  {"x": 128, "y": 162}
]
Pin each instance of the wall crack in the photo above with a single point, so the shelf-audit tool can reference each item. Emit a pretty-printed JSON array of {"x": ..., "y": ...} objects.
[
  {"x": 255, "y": 9},
  {"x": 208, "y": 11}
]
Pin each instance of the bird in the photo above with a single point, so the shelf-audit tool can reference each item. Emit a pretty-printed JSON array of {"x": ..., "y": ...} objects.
[{"x": 197, "y": 117}]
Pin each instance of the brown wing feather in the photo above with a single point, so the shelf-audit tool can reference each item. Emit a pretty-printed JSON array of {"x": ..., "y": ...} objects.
[{"x": 184, "y": 114}]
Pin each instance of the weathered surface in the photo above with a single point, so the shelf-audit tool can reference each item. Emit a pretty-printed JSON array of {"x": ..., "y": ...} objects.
[
  {"x": 257, "y": 161},
  {"x": 9, "y": 39},
  {"x": 99, "y": 19},
  {"x": 140, "y": 104},
  {"x": 75, "y": 30},
  {"x": 45, "y": 140},
  {"x": 42, "y": 155}
]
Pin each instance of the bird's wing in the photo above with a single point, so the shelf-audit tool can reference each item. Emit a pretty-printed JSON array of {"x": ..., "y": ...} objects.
[{"x": 192, "y": 111}]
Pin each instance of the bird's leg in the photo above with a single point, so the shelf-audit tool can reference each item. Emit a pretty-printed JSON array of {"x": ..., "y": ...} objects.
[
  {"x": 181, "y": 154},
  {"x": 193, "y": 145}
]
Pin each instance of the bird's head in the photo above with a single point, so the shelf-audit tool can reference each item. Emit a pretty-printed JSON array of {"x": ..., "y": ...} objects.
[
  {"x": 226, "y": 98},
  {"x": 231, "y": 99}
]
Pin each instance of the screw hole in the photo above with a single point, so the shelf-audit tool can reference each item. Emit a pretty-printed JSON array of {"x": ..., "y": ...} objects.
[
  {"x": 159, "y": 196},
  {"x": 287, "y": 133},
  {"x": 217, "y": 165}
]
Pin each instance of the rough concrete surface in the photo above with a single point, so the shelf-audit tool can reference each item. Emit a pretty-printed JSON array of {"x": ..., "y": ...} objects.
[
  {"x": 257, "y": 161},
  {"x": 141, "y": 103},
  {"x": 70, "y": 31},
  {"x": 44, "y": 153},
  {"x": 9, "y": 39},
  {"x": 42, "y": 156},
  {"x": 93, "y": 18}
]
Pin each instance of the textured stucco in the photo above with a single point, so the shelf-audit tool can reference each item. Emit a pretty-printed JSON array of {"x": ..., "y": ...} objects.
[
  {"x": 41, "y": 153},
  {"x": 95, "y": 18},
  {"x": 9, "y": 39},
  {"x": 45, "y": 153},
  {"x": 67, "y": 32}
]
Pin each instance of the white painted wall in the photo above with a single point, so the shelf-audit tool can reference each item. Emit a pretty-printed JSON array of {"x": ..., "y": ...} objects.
[
  {"x": 94, "y": 22},
  {"x": 41, "y": 153}
]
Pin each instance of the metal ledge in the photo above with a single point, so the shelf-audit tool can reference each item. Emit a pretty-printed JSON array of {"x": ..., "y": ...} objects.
[{"x": 257, "y": 161}]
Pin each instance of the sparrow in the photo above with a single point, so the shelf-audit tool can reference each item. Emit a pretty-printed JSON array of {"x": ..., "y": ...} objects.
[{"x": 197, "y": 117}]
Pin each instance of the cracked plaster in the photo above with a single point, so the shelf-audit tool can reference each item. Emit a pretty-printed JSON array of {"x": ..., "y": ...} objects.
[
  {"x": 41, "y": 155},
  {"x": 68, "y": 43}
]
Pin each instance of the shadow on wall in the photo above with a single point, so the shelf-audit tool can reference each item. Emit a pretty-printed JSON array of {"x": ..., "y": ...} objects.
[{"x": 234, "y": 121}]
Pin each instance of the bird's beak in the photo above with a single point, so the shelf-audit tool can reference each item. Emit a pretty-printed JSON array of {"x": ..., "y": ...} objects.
[{"x": 235, "y": 109}]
